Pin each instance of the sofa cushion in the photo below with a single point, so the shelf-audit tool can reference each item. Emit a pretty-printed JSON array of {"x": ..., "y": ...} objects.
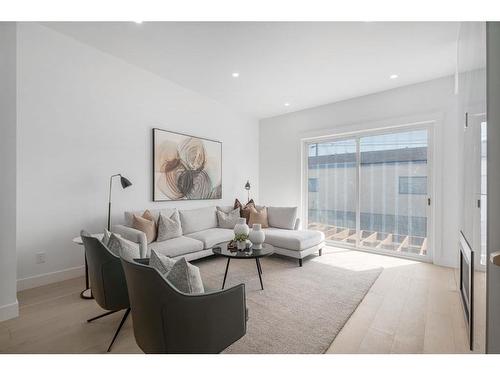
[
  {"x": 162, "y": 263},
  {"x": 185, "y": 277},
  {"x": 244, "y": 209},
  {"x": 177, "y": 246},
  {"x": 123, "y": 248},
  {"x": 169, "y": 227},
  {"x": 258, "y": 216},
  {"x": 129, "y": 215},
  {"x": 106, "y": 236},
  {"x": 225, "y": 209},
  {"x": 146, "y": 224},
  {"x": 228, "y": 219},
  {"x": 198, "y": 219},
  {"x": 282, "y": 217},
  {"x": 293, "y": 239},
  {"x": 213, "y": 236}
]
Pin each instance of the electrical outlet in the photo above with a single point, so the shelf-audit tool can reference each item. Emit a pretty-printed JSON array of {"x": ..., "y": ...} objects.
[{"x": 40, "y": 258}]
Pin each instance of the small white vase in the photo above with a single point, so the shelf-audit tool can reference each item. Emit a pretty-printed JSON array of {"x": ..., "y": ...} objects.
[
  {"x": 241, "y": 245},
  {"x": 241, "y": 227},
  {"x": 257, "y": 236}
]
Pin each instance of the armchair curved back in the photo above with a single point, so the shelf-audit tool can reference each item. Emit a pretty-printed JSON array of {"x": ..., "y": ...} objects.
[
  {"x": 107, "y": 279},
  {"x": 169, "y": 321}
]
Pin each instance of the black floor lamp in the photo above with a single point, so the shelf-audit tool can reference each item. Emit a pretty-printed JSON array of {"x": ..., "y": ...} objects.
[{"x": 125, "y": 184}]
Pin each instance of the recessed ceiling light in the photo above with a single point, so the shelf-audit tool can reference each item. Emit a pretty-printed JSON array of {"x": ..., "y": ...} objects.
[
  {"x": 393, "y": 76},
  {"x": 138, "y": 22},
  {"x": 235, "y": 75},
  {"x": 287, "y": 104}
]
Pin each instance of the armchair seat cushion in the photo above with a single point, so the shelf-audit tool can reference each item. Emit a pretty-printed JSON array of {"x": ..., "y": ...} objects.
[
  {"x": 177, "y": 246},
  {"x": 293, "y": 239},
  {"x": 213, "y": 236}
]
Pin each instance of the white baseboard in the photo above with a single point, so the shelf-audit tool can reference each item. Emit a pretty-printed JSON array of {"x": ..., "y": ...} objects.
[
  {"x": 9, "y": 311},
  {"x": 49, "y": 278}
]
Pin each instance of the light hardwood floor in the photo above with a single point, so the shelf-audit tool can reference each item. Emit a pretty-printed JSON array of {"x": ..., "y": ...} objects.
[{"x": 412, "y": 308}]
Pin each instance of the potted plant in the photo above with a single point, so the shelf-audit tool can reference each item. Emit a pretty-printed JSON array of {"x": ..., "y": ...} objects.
[{"x": 241, "y": 241}]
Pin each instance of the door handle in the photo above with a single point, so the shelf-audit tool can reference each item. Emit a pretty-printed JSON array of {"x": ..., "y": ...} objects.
[{"x": 495, "y": 258}]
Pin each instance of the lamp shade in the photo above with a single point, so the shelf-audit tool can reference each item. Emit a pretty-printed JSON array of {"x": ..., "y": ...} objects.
[
  {"x": 125, "y": 182},
  {"x": 247, "y": 185}
]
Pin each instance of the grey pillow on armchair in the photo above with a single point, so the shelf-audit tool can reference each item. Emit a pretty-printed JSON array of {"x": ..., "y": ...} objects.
[{"x": 183, "y": 275}]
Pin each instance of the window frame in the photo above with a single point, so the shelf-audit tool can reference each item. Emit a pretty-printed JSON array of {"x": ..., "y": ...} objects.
[{"x": 427, "y": 125}]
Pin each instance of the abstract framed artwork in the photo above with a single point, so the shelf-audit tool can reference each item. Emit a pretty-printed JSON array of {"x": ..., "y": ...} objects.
[{"x": 185, "y": 167}]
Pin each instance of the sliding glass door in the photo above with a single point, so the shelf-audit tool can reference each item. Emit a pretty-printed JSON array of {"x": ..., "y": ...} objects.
[{"x": 372, "y": 191}]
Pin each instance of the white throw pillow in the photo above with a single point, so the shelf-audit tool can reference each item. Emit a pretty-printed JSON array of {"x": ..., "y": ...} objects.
[
  {"x": 169, "y": 227},
  {"x": 123, "y": 248},
  {"x": 228, "y": 219},
  {"x": 282, "y": 217},
  {"x": 160, "y": 262},
  {"x": 105, "y": 237}
]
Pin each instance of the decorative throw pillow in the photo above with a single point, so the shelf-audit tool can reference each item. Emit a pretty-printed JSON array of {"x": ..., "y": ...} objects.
[
  {"x": 122, "y": 248},
  {"x": 169, "y": 227},
  {"x": 186, "y": 277},
  {"x": 258, "y": 216},
  {"x": 228, "y": 220},
  {"x": 105, "y": 238},
  {"x": 160, "y": 262},
  {"x": 145, "y": 223},
  {"x": 244, "y": 210}
]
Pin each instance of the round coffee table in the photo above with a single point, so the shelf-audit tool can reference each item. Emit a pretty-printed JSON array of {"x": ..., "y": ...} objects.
[{"x": 222, "y": 250}]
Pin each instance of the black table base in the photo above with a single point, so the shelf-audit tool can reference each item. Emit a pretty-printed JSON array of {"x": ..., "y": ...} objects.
[
  {"x": 259, "y": 271},
  {"x": 87, "y": 292}
]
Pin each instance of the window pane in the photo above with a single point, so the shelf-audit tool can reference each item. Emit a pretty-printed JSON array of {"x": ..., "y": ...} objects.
[
  {"x": 332, "y": 189},
  {"x": 393, "y": 188}
]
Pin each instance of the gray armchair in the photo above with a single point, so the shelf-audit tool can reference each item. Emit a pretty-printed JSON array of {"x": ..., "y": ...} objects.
[
  {"x": 107, "y": 280},
  {"x": 169, "y": 321}
]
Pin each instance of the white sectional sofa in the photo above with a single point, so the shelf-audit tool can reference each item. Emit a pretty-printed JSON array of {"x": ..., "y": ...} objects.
[{"x": 200, "y": 232}]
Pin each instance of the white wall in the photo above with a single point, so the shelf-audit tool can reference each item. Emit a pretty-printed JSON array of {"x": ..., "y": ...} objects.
[
  {"x": 280, "y": 149},
  {"x": 8, "y": 300},
  {"x": 84, "y": 115}
]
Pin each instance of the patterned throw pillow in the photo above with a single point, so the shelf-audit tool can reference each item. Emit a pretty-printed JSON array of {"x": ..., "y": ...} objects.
[
  {"x": 169, "y": 227},
  {"x": 181, "y": 274},
  {"x": 258, "y": 216},
  {"x": 228, "y": 220},
  {"x": 145, "y": 223},
  {"x": 105, "y": 238},
  {"x": 122, "y": 248},
  {"x": 160, "y": 262},
  {"x": 186, "y": 277},
  {"x": 244, "y": 210}
]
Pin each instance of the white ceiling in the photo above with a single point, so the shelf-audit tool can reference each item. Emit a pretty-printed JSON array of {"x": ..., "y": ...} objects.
[{"x": 305, "y": 64}]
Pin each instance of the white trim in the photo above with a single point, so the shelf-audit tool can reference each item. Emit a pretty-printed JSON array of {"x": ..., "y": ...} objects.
[
  {"x": 429, "y": 122},
  {"x": 49, "y": 278},
  {"x": 9, "y": 311}
]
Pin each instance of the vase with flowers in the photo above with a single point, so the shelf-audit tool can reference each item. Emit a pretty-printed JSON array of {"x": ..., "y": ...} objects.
[{"x": 241, "y": 241}]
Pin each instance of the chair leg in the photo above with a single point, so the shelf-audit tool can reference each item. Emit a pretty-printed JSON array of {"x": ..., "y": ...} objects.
[
  {"x": 320, "y": 252},
  {"x": 101, "y": 316},
  {"x": 300, "y": 262},
  {"x": 119, "y": 328}
]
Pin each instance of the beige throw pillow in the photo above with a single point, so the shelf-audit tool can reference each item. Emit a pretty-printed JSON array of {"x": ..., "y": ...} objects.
[
  {"x": 145, "y": 223},
  {"x": 258, "y": 216}
]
